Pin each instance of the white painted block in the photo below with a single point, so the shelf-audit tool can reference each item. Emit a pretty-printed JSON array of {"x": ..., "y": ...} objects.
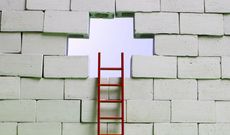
[
  {"x": 226, "y": 24},
  {"x": 214, "y": 89},
  {"x": 182, "y": 5},
  {"x": 134, "y": 89},
  {"x": 8, "y": 128},
  {"x": 152, "y": 23},
  {"x": 176, "y": 45},
  {"x": 21, "y": 65},
  {"x": 154, "y": 66},
  {"x": 58, "y": 111},
  {"x": 201, "y": 24},
  {"x": 66, "y": 66},
  {"x": 82, "y": 129},
  {"x": 10, "y": 42},
  {"x": 12, "y": 4},
  {"x": 138, "y": 89},
  {"x": 175, "y": 129},
  {"x": 32, "y": 88},
  {"x": 148, "y": 111},
  {"x": 217, "y": 6},
  {"x": 214, "y": 129},
  {"x": 225, "y": 64},
  {"x": 22, "y": 20},
  {"x": 97, "y": 6},
  {"x": 84, "y": 88},
  {"x": 39, "y": 129},
  {"x": 48, "y": 4},
  {"x": 222, "y": 111},
  {"x": 17, "y": 110},
  {"x": 174, "y": 89},
  {"x": 214, "y": 46},
  {"x": 115, "y": 92},
  {"x": 193, "y": 111},
  {"x": 127, "y": 6},
  {"x": 89, "y": 111},
  {"x": 199, "y": 67},
  {"x": 37, "y": 43},
  {"x": 138, "y": 129},
  {"x": 9, "y": 87},
  {"x": 66, "y": 22}
]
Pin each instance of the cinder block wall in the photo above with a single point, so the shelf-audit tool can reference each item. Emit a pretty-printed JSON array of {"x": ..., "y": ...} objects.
[{"x": 183, "y": 89}]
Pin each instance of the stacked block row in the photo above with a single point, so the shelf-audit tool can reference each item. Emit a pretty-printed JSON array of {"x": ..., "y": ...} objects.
[
  {"x": 198, "y": 6},
  {"x": 77, "y": 23}
]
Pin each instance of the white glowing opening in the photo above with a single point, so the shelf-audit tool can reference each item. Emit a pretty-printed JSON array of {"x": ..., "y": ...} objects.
[{"x": 110, "y": 37}]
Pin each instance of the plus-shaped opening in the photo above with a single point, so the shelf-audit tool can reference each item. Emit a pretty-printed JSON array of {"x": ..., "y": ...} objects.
[{"x": 110, "y": 37}]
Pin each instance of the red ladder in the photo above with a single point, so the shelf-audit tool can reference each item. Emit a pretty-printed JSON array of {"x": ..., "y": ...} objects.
[{"x": 99, "y": 100}]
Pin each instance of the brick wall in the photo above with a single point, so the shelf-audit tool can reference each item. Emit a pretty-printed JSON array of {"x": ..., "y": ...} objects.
[{"x": 182, "y": 90}]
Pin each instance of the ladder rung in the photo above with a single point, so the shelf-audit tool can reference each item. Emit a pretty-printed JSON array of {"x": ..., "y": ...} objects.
[
  {"x": 111, "y": 101},
  {"x": 110, "y": 84},
  {"x": 110, "y": 134},
  {"x": 106, "y": 68},
  {"x": 110, "y": 118}
]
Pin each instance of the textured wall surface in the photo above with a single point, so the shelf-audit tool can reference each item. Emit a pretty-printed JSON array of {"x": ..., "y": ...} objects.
[{"x": 183, "y": 89}]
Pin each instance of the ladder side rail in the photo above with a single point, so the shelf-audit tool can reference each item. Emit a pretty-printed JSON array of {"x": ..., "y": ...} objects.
[
  {"x": 99, "y": 95},
  {"x": 122, "y": 93}
]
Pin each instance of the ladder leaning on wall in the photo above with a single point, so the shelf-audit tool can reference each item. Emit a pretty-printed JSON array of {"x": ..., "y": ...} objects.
[{"x": 99, "y": 100}]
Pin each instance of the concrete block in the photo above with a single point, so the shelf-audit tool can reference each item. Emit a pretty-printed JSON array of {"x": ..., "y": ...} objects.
[
  {"x": 201, "y": 24},
  {"x": 131, "y": 129},
  {"x": 21, "y": 65},
  {"x": 153, "y": 23},
  {"x": 175, "y": 129},
  {"x": 217, "y": 6},
  {"x": 22, "y": 20},
  {"x": 82, "y": 129},
  {"x": 174, "y": 89},
  {"x": 12, "y": 4},
  {"x": 148, "y": 111},
  {"x": 222, "y": 112},
  {"x": 214, "y": 129},
  {"x": 176, "y": 45},
  {"x": 225, "y": 67},
  {"x": 58, "y": 111},
  {"x": 37, "y": 43},
  {"x": 199, "y": 67},
  {"x": 193, "y": 111},
  {"x": 114, "y": 92},
  {"x": 226, "y": 24},
  {"x": 48, "y": 4},
  {"x": 84, "y": 88},
  {"x": 138, "y": 89},
  {"x": 17, "y": 110},
  {"x": 94, "y": 6},
  {"x": 182, "y": 5},
  {"x": 214, "y": 89},
  {"x": 39, "y": 129},
  {"x": 154, "y": 66},
  {"x": 10, "y": 42},
  {"x": 66, "y": 66},
  {"x": 9, "y": 87},
  {"x": 8, "y": 128},
  {"x": 127, "y": 6},
  {"x": 134, "y": 88},
  {"x": 32, "y": 88},
  {"x": 214, "y": 46},
  {"x": 66, "y": 22},
  {"x": 89, "y": 111}
]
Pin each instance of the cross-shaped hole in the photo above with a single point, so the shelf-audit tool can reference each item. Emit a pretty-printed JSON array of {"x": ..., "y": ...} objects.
[{"x": 110, "y": 37}]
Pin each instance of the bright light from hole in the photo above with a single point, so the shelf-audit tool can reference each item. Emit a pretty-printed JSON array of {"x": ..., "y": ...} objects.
[{"x": 110, "y": 37}]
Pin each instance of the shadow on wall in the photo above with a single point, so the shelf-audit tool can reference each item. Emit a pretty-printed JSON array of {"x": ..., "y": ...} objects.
[{"x": 110, "y": 37}]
